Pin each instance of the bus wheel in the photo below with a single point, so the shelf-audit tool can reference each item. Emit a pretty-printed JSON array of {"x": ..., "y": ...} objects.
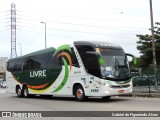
[
  {"x": 25, "y": 91},
  {"x": 106, "y": 97},
  {"x": 79, "y": 93},
  {"x": 19, "y": 91}
]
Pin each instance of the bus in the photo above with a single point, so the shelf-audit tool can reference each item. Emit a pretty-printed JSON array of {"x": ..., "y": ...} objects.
[{"x": 83, "y": 69}]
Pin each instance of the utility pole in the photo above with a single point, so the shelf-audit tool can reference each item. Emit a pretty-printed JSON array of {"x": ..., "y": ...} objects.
[
  {"x": 153, "y": 45},
  {"x": 13, "y": 31}
]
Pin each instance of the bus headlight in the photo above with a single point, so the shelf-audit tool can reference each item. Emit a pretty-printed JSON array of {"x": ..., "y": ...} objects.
[
  {"x": 107, "y": 85},
  {"x": 130, "y": 83},
  {"x": 101, "y": 81}
]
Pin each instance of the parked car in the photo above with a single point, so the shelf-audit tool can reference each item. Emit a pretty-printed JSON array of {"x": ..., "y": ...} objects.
[{"x": 3, "y": 84}]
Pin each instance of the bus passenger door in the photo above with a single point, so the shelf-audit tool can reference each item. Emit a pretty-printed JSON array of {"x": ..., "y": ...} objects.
[
  {"x": 92, "y": 67},
  {"x": 91, "y": 64}
]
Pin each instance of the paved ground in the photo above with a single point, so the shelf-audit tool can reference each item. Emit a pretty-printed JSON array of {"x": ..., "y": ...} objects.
[
  {"x": 10, "y": 102},
  {"x": 2, "y": 90}
]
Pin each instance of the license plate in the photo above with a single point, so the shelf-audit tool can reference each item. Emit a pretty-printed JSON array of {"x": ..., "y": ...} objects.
[{"x": 121, "y": 91}]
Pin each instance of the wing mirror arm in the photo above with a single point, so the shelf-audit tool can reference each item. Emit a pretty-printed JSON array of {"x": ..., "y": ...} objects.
[{"x": 134, "y": 60}]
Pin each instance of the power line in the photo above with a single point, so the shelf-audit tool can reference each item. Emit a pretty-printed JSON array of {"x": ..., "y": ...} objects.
[
  {"x": 53, "y": 34},
  {"x": 95, "y": 26},
  {"x": 59, "y": 29},
  {"x": 4, "y": 30},
  {"x": 101, "y": 27},
  {"x": 53, "y": 21},
  {"x": 24, "y": 17},
  {"x": 83, "y": 32},
  {"x": 99, "y": 19}
]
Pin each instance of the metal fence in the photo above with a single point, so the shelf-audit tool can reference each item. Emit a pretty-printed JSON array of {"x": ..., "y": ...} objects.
[{"x": 145, "y": 84}]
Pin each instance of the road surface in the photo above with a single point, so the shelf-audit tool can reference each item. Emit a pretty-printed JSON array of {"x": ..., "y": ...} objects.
[{"x": 10, "y": 102}]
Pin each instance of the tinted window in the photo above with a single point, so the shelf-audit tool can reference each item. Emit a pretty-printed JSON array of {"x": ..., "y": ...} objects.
[
  {"x": 32, "y": 63},
  {"x": 74, "y": 59},
  {"x": 41, "y": 61},
  {"x": 12, "y": 65},
  {"x": 52, "y": 62},
  {"x": 20, "y": 64},
  {"x": 92, "y": 65},
  {"x": 82, "y": 51},
  {"x": 90, "y": 61}
]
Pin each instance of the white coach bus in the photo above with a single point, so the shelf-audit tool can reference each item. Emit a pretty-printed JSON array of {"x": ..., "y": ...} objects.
[{"x": 84, "y": 69}]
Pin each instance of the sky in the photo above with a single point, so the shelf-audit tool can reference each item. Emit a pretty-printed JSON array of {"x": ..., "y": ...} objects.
[{"x": 113, "y": 21}]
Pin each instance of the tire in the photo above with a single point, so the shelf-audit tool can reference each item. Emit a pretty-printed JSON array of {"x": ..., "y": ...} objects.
[
  {"x": 25, "y": 91},
  {"x": 18, "y": 91},
  {"x": 106, "y": 98},
  {"x": 79, "y": 93}
]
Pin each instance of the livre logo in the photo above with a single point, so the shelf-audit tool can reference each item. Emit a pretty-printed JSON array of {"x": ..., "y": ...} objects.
[{"x": 40, "y": 73}]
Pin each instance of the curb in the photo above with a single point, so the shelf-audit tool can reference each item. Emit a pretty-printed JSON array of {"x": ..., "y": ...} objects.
[{"x": 153, "y": 95}]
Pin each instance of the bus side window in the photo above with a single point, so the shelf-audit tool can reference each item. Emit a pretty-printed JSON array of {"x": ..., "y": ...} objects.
[
  {"x": 20, "y": 65},
  {"x": 74, "y": 59},
  {"x": 60, "y": 61},
  {"x": 15, "y": 65},
  {"x": 90, "y": 61},
  {"x": 8, "y": 66},
  {"x": 82, "y": 49},
  {"x": 53, "y": 62},
  {"x": 92, "y": 65}
]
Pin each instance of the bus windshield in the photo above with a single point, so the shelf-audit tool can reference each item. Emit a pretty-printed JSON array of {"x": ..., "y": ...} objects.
[{"x": 115, "y": 66}]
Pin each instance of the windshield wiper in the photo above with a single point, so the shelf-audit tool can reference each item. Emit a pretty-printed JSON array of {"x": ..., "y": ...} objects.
[
  {"x": 125, "y": 72},
  {"x": 116, "y": 68},
  {"x": 119, "y": 69}
]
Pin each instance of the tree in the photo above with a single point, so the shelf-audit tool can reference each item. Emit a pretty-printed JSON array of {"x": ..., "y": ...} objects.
[{"x": 145, "y": 47}]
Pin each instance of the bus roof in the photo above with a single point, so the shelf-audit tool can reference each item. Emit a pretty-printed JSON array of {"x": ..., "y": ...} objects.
[
  {"x": 100, "y": 44},
  {"x": 51, "y": 49}
]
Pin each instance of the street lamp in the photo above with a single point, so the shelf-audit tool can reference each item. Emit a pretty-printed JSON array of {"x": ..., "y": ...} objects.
[{"x": 45, "y": 34}]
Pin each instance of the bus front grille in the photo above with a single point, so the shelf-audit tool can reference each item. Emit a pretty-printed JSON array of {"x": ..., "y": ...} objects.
[{"x": 120, "y": 86}]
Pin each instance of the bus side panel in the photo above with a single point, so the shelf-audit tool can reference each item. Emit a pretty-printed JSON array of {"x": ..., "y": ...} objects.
[
  {"x": 62, "y": 84},
  {"x": 59, "y": 87},
  {"x": 81, "y": 80}
]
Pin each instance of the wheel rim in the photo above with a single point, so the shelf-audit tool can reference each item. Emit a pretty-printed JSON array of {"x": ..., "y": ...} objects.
[
  {"x": 79, "y": 93},
  {"x": 25, "y": 92},
  {"x": 19, "y": 92}
]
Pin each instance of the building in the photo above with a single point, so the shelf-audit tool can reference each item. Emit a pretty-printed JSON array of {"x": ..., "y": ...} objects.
[{"x": 3, "y": 61}]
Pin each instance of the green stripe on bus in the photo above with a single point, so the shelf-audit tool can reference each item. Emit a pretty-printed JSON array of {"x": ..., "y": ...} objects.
[
  {"x": 65, "y": 77},
  {"x": 63, "y": 47}
]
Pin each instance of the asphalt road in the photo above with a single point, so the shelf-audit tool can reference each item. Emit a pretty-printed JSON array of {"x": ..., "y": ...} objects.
[{"x": 10, "y": 102}]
